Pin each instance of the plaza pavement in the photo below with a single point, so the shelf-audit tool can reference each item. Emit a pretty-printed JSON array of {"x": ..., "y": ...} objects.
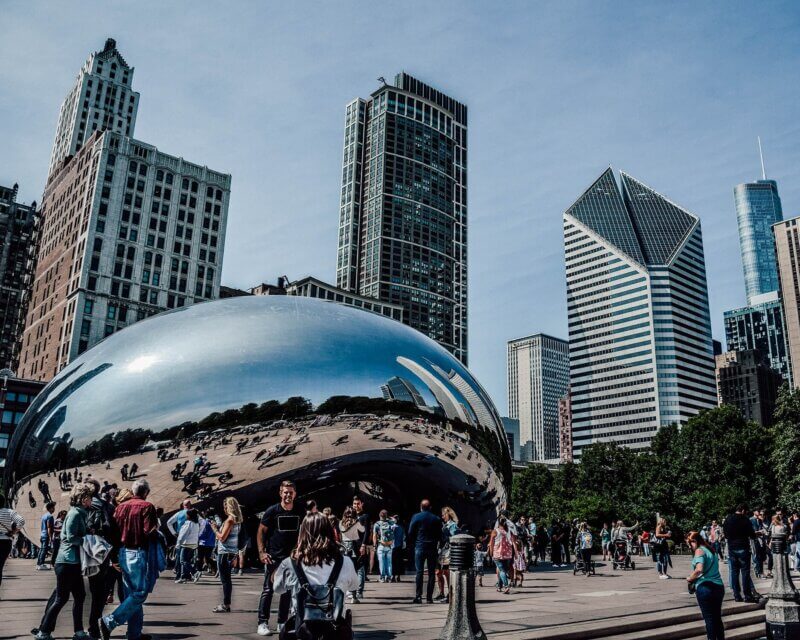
[{"x": 551, "y": 603}]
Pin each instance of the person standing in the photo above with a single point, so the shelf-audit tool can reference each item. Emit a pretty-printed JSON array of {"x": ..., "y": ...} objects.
[
  {"x": 46, "y": 537},
  {"x": 138, "y": 530},
  {"x": 58, "y": 525},
  {"x": 277, "y": 537},
  {"x": 206, "y": 541},
  {"x": 556, "y": 534},
  {"x": 449, "y": 529},
  {"x": 398, "y": 550},
  {"x": 424, "y": 532},
  {"x": 186, "y": 545},
  {"x": 227, "y": 536},
  {"x": 584, "y": 547},
  {"x": 645, "y": 538},
  {"x": 69, "y": 579},
  {"x": 10, "y": 523},
  {"x": 708, "y": 585},
  {"x": 663, "y": 536},
  {"x": 383, "y": 541},
  {"x": 757, "y": 543},
  {"x": 795, "y": 533},
  {"x": 605, "y": 542},
  {"x": 100, "y": 521},
  {"x": 177, "y": 519}
]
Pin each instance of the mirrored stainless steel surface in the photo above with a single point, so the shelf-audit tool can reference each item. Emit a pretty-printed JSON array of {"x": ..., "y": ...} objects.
[{"x": 259, "y": 389}]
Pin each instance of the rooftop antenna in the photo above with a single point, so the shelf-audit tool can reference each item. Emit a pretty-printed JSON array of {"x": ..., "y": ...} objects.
[{"x": 761, "y": 155}]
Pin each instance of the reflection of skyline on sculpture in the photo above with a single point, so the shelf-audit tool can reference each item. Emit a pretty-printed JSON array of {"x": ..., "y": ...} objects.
[{"x": 221, "y": 363}]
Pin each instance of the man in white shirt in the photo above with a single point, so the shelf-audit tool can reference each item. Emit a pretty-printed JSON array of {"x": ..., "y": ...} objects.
[{"x": 10, "y": 523}]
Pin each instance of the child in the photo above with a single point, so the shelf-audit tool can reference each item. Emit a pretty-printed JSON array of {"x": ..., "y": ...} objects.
[
  {"x": 186, "y": 547},
  {"x": 480, "y": 559}
]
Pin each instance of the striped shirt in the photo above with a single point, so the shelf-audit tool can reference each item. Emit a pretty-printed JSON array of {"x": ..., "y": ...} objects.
[{"x": 8, "y": 520}]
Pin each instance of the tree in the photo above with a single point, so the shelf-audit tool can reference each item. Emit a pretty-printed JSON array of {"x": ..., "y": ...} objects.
[
  {"x": 528, "y": 488},
  {"x": 786, "y": 450}
]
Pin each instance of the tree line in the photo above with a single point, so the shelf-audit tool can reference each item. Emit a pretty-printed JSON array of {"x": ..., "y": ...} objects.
[{"x": 689, "y": 475}]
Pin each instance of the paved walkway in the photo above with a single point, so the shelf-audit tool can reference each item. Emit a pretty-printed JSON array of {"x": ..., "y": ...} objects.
[{"x": 550, "y": 600}]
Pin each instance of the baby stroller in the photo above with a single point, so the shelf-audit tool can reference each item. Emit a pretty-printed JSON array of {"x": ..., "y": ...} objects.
[
  {"x": 580, "y": 565},
  {"x": 621, "y": 558}
]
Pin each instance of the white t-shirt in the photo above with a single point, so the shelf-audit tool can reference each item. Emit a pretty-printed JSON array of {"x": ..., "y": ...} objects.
[
  {"x": 8, "y": 520},
  {"x": 285, "y": 577}
]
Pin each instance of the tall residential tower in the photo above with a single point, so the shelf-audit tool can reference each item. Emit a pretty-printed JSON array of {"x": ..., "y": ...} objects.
[
  {"x": 538, "y": 376},
  {"x": 641, "y": 354},
  {"x": 403, "y": 208}
]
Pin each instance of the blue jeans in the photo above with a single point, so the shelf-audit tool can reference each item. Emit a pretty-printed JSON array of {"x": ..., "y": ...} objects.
[
  {"x": 425, "y": 556},
  {"x": 385, "y": 560},
  {"x": 502, "y": 570},
  {"x": 133, "y": 563},
  {"x": 709, "y": 597},
  {"x": 662, "y": 564},
  {"x": 186, "y": 566},
  {"x": 739, "y": 572},
  {"x": 42, "y": 557}
]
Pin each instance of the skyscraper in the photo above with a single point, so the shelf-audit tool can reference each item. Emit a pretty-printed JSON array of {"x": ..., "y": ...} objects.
[
  {"x": 538, "y": 375},
  {"x": 639, "y": 328},
  {"x": 787, "y": 244},
  {"x": 403, "y": 209},
  {"x": 101, "y": 98},
  {"x": 746, "y": 381},
  {"x": 127, "y": 231},
  {"x": 19, "y": 238},
  {"x": 758, "y": 207}
]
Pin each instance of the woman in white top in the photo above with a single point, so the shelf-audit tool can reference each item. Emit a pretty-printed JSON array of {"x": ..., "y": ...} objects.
[
  {"x": 187, "y": 547},
  {"x": 351, "y": 531},
  {"x": 316, "y": 553},
  {"x": 227, "y": 549}
]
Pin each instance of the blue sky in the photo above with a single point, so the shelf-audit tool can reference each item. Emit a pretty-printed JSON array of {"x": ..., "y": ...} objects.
[{"x": 673, "y": 93}]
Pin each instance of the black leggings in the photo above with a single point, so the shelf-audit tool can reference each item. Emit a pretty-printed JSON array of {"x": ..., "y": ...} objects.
[
  {"x": 5, "y": 549},
  {"x": 224, "y": 561},
  {"x": 69, "y": 581}
]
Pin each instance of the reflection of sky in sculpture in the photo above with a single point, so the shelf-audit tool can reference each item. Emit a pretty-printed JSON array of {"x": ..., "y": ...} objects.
[{"x": 191, "y": 362}]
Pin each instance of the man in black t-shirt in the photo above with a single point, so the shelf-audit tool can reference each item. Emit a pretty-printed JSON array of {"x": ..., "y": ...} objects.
[
  {"x": 277, "y": 538},
  {"x": 361, "y": 548}
]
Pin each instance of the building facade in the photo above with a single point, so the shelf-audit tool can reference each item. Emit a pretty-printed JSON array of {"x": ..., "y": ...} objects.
[
  {"x": 787, "y": 249},
  {"x": 16, "y": 395},
  {"x": 641, "y": 352},
  {"x": 538, "y": 375},
  {"x": 511, "y": 427},
  {"x": 758, "y": 207},
  {"x": 761, "y": 327},
  {"x": 127, "y": 231},
  {"x": 403, "y": 208},
  {"x": 746, "y": 381},
  {"x": 19, "y": 237},
  {"x": 565, "y": 443},
  {"x": 101, "y": 98}
]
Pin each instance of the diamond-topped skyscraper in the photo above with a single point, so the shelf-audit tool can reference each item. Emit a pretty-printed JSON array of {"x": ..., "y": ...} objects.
[
  {"x": 403, "y": 209},
  {"x": 641, "y": 354}
]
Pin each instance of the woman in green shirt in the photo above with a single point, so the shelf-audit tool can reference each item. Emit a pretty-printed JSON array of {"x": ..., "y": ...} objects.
[
  {"x": 708, "y": 585},
  {"x": 69, "y": 578}
]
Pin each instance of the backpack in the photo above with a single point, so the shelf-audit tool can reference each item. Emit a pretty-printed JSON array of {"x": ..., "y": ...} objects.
[
  {"x": 386, "y": 531},
  {"x": 320, "y": 611},
  {"x": 586, "y": 540}
]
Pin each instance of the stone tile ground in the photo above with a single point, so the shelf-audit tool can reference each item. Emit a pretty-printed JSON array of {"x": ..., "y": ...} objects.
[{"x": 550, "y": 600}]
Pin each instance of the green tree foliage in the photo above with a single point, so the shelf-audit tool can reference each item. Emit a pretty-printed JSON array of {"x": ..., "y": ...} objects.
[
  {"x": 786, "y": 452},
  {"x": 690, "y": 475}
]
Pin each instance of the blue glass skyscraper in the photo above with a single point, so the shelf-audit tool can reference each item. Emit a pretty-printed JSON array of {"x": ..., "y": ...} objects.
[{"x": 758, "y": 207}]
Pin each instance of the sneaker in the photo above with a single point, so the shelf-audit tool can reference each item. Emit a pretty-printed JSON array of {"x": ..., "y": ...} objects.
[
  {"x": 105, "y": 632},
  {"x": 43, "y": 635},
  {"x": 662, "y": 577},
  {"x": 181, "y": 581},
  {"x": 416, "y": 601},
  {"x": 240, "y": 573},
  {"x": 196, "y": 577},
  {"x": 221, "y": 608},
  {"x": 263, "y": 629},
  {"x": 81, "y": 635},
  {"x": 356, "y": 599}
]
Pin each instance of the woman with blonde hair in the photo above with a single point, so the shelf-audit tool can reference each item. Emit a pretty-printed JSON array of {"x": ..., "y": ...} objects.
[
  {"x": 663, "y": 535},
  {"x": 227, "y": 535},
  {"x": 449, "y": 528},
  {"x": 69, "y": 578}
]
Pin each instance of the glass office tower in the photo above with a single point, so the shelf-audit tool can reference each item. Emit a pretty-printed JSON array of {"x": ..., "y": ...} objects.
[
  {"x": 403, "y": 208},
  {"x": 640, "y": 346},
  {"x": 758, "y": 207}
]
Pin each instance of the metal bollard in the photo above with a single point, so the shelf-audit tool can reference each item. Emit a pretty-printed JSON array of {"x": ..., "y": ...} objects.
[
  {"x": 462, "y": 618},
  {"x": 783, "y": 606}
]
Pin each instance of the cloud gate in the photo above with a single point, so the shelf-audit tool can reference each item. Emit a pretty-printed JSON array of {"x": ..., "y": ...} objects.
[{"x": 231, "y": 397}]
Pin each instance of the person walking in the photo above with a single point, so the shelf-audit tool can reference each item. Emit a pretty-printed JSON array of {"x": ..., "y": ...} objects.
[
  {"x": 605, "y": 541},
  {"x": 277, "y": 537},
  {"x": 425, "y": 532},
  {"x": 100, "y": 522},
  {"x": 383, "y": 541},
  {"x": 363, "y": 547},
  {"x": 46, "y": 537},
  {"x": 707, "y": 583},
  {"x": 398, "y": 550},
  {"x": 186, "y": 545},
  {"x": 138, "y": 532},
  {"x": 501, "y": 550},
  {"x": 449, "y": 529},
  {"x": 663, "y": 535},
  {"x": 69, "y": 578},
  {"x": 584, "y": 547},
  {"x": 227, "y": 536}
]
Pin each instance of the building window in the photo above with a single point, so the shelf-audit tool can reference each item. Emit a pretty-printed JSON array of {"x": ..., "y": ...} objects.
[{"x": 88, "y": 306}]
